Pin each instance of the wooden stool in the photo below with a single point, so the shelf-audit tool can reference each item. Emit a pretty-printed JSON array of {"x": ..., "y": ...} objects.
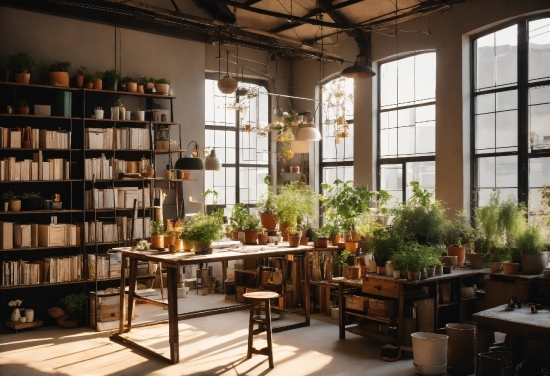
[{"x": 257, "y": 298}]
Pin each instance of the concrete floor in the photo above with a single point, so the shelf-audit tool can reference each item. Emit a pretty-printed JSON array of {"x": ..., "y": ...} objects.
[{"x": 214, "y": 345}]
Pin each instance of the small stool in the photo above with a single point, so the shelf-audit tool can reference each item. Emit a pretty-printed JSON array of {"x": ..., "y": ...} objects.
[{"x": 257, "y": 298}]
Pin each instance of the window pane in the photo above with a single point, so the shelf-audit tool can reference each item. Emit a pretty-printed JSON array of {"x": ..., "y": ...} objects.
[
  {"x": 539, "y": 117},
  {"x": 406, "y": 141},
  {"x": 330, "y": 174},
  {"x": 497, "y": 172},
  {"x": 391, "y": 180},
  {"x": 496, "y": 131},
  {"x": 496, "y": 59},
  {"x": 539, "y": 49},
  {"x": 425, "y": 77},
  {"x": 423, "y": 173},
  {"x": 538, "y": 177}
]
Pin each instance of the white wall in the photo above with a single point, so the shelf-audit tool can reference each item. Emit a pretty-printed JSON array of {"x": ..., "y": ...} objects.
[{"x": 448, "y": 35}]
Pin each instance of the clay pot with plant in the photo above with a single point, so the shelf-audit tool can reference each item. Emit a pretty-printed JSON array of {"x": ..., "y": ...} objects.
[
  {"x": 203, "y": 229},
  {"x": 71, "y": 315},
  {"x": 81, "y": 73},
  {"x": 531, "y": 244},
  {"x": 295, "y": 204},
  {"x": 162, "y": 86},
  {"x": 267, "y": 207},
  {"x": 162, "y": 141},
  {"x": 251, "y": 229},
  {"x": 22, "y": 107},
  {"x": 239, "y": 218},
  {"x": 294, "y": 236},
  {"x": 157, "y": 234},
  {"x": 320, "y": 237},
  {"x": 59, "y": 73},
  {"x": 457, "y": 235},
  {"x": 14, "y": 201},
  {"x": 111, "y": 79},
  {"x": 31, "y": 201},
  {"x": 130, "y": 83},
  {"x": 97, "y": 81},
  {"x": 21, "y": 65}
]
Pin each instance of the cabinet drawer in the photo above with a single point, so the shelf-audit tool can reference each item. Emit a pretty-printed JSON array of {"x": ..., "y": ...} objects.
[{"x": 381, "y": 287}]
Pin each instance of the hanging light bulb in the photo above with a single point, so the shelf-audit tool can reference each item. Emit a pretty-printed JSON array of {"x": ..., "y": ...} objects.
[{"x": 227, "y": 84}]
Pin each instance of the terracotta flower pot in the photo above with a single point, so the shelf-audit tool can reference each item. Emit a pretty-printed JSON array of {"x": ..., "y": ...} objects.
[
  {"x": 187, "y": 246},
  {"x": 140, "y": 89},
  {"x": 476, "y": 260},
  {"x": 460, "y": 252},
  {"x": 98, "y": 84},
  {"x": 283, "y": 227},
  {"x": 59, "y": 79},
  {"x": 22, "y": 110},
  {"x": 534, "y": 264},
  {"x": 304, "y": 240},
  {"x": 321, "y": 243},
  {"x": 351, "y": 247},
  {"x": 269, "y": 221},
  {"x": 496, "y": 267},
  {"x": 294, "y": 240},
  {"x": 262, "y": 238},
  {"x": 15, "y": 205},
  {"x": 169, "y": 240},
  {"x": 250, "y": 237},
  {"x": 80, "y": 81},
  {"x": 131, "y": 87},
  {"x": 162, "y": 89},
  {"x": 157, "y": 241},
  {"x": 510, "y": 267},
  {"x": 22, "y": 78},
  {"x": 89, "y": 85},
  {"x": 178, "y": 244},
  {"x": 335, "y": 240}
]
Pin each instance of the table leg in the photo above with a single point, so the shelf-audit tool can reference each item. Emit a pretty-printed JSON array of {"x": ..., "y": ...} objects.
[
  {"x": 123, "y": 266},
  {"x": 225, "y": 265},
  {"x": 131, "y": 291},
  {"x": 172, "y": 276},
  {"x": 341, "y": 311},
  {"x": 305, "y": 285}
]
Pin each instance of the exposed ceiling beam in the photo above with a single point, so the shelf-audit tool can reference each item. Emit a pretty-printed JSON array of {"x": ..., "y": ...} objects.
[
  {"x": 217, "y": 11},
  {"x": 251, "y": 2},
  {"x": 311, "y": 21}
]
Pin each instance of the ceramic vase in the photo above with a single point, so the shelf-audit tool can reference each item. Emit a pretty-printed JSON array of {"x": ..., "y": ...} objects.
[
  {"x": 29, "y": 314},
  {"x": 15, "y": 315}
]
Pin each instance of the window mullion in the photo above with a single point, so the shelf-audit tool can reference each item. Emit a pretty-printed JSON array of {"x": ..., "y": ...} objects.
[{"x": 523, "y": 126}]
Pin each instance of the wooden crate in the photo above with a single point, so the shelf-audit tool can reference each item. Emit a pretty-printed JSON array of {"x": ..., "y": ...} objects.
[
  {"x": 357, "y": 302},
  {"x": 382, "y": 308},
  {"x": 51, "y": 235},
  {"x": 381, "y": 287}
]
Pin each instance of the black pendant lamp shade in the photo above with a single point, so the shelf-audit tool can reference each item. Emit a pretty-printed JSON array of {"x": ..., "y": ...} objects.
[
  {"x": 358, "y": 70},
  {"x": 188, "y": 161}
]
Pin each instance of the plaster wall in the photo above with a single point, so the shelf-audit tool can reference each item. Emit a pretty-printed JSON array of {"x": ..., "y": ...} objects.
[{"x": 449, "y": 35}]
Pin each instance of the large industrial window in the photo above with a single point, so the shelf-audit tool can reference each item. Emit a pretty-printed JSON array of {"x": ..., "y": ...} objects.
[
  {"x": 406, "y": 119},
  {"x": 511, "y": 111},
  {"x": 230, "y": 123},
  {"x": 337, "y": 130}
]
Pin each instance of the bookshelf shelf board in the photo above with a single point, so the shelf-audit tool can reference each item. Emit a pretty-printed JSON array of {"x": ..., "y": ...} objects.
[
  {"x": 132, "y": 121},
  {"x": 41, "y": 117},
  {"x": 40, "y": 181},
  {"x": 39, "y": 248},
  {"x": 37, "y": 149},
  {"x": 106, "y": 210},
  {"x": 60, "y": 211},
  {"x": 121, "y": 150},
  {"x": 41, "y": 285},
  {"x": 66, "y": 88},
  {"x": 447, "y": 304},
  {"x": 128, "y": 93}
]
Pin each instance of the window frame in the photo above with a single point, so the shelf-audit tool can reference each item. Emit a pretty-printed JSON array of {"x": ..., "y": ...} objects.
[
  {"x": 236, "y": 130},
  {"x": 523, "y": 153},
  {"x": 398, "y": 160}
]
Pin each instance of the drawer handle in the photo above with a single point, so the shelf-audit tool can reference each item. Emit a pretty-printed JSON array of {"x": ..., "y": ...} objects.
[{"x": 378, "y": 287}]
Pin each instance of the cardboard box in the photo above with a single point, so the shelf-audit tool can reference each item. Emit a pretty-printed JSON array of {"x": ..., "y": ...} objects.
[
  {"x": 51, "y": 235},
  {"x": 94, "y": 138},
  {"x": 42, "y": 110},
  {"x": 107, "y": 314},
  {"x": 21, "y": 235},
  {"x": 6, "y": 235}
]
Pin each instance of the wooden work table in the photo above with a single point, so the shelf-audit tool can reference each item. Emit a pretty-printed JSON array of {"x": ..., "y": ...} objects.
[
  {"x": 400, "y": 290},
  {"x": 172, "y": 262}
]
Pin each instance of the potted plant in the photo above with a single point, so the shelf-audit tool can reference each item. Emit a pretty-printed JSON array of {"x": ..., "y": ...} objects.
[
  {"x": 59, "y": 73},
  {"x": 262, "y": 235},
  {"x": 343, "y": 261},
  {"x": 22, "y": 65},
  {"x": 162, "y": 142},
  {"x": 169, "y": 238},
  {"x": 295, "y": 203},
  {"x": 203, "y": 230},
  {"x": 117, "y": 110},
  {"x": 111, "y": 78},
  {"x": 22, "y": 107},
  {"x": 149, "y": 85},
  {"x": 333, "y": 232},
  {"x": 366, "y": 226},
  {"x": 267, "y": 207},
  {"x": 89, "y": 81},
  {"x": 31, "y": 201},
  {"x": 131, "y": 84},
  {"x": 98, "y": 81},
  {"x": 383, "y": 216},
  {"x": 495, "y": 257},
  {"x": 13, "y": 199},
  {"x": 320, "y": 237},
  {"x": 81, "y": 73},
  {"x": 251, "y": 228},
  {"x": 157, "y": 234},
  {"x": 239, "y": 218},
  {"x": 141, "y": 83},
  {"x": 162, "y": 86},
  {"x": 457, "y": 234},
  {"x": 531, "y": 245},
  {"x": 73, "y": 305},
  {"x": 294, "y": 236},
  {"x": 185, "y": 234},
  {"x": 384, "y": 243}
]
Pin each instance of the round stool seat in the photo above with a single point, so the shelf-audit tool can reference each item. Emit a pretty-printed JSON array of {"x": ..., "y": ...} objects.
[{"x": 261, "y": 295}]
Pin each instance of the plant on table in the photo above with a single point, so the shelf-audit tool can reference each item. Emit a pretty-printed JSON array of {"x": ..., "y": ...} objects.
[
  {"x": 203, "y": 229},
  {"x": 386, "y": 241},
  {"x": 295, "y": 204},
  {"x": 239, "y": 217}
]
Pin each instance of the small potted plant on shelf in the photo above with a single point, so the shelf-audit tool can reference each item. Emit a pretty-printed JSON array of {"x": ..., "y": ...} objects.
[
  {"x": 149, "y": 85},
  {"x": 295, "y": 203},
  {"x": 382, "y": 208},
  {"x": 14, "y": 201},
  {"x": 22, "y": 107},
  {"x": 267, "y": 207},
  {"x": 162, "y": 141},
  {"x": 81, "y": 73},
  {"x": 89, "y": 80},
  {"x": 72, "y": 313},
  {"x": 131, "y": 84},
  {"x": 31, "y": 201},
  {"x": 532, "y": 247},
  {"x": 157, "y": 234},
  {"x": 262, "y": 235},
  {"x": 22, "y": 65},
  {"x": 162, "y": 86},
  {"x": 141, "y": 83},
  {"x": 112, "y": 79},
  {"x": 342, "y": 263},
  {"x": 457, "y": 235},
  {"x": 203, "y": 230},
  {"x": 59, "y": 73},
  {"x": 117, "y": 110},
  {"x": 98, "y": 81}
]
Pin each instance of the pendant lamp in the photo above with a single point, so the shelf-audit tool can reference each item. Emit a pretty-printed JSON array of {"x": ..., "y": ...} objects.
[
  {"x": 358, "y": 70},
  {"x": 212, "y": 162},
  {"x": 308, "y": 132},
  {"x": 227, "y": 84},
  {"x": 188, "y": 161}
]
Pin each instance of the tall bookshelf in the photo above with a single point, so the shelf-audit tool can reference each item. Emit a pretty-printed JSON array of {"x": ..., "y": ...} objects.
[{"x": 73, "y": 118}]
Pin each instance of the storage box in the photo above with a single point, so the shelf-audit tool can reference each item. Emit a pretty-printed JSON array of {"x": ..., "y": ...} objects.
[
  {"x": 107, "y": 314},
  {"x": 382, "y": 308},
  {"x": 94, "y": 138},
  {"x": 21, "y": 235},
  {"x": 6, "y": 235},
  {"x": 51, "y": 235},
  {"x": 42, "y": 110},
  {"x": 358, "y": 303}
]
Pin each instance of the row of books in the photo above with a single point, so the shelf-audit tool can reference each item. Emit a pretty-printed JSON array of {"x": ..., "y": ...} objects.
[
  {"x": 119, "y": 138},
  {"x": 17, "y": 235},
  {"x": 34, "y": 169},
  {"x": 121, "y": 197},
  {"x": 48, "y": 270},
  {"x": 34, "y": 138},
  {"x": 111, "y": 168},
  {"x": 114, "y": 232}
]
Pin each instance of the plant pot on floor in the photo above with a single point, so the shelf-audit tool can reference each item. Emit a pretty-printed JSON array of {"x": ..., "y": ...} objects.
[
  {"x": 460, "y": 252},
  {"x": 534, "y": 264}
]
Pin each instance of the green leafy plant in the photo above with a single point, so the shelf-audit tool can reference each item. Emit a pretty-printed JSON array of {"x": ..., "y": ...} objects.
[
  {"x": 267, "y": 203},
  {"x": 118, "y": 103},
  {"x": 162, "y": 81},
  {"x": 30, "y": 195},
  {"x": 22, "y": 103},
  {"x": 143, "y": 81},
  {"x": 381, "y": 204},
  {"x": 413, "y": 257},
  {"x": 239, "y": 217},
  {"x": 89, "y": 77},
  {"x": 366, "y": 226},
  {"x": 531, "y": 241},
  {"x": 111, "y": 77},
  {"x": 157, "y": 227},
  {"x": 60, "y": 66},
  {"x": 344, "y": 202},
  {"x": 331, "y": 229},
  {"x": 385, "y": 243},
  {"x": 163, "y": 132},
  {"x": 98, "y": 75},
  {"x": 458, "y": 231},
  {"x": 342, "y": 258},
  {"x": 21, "y": 63},
  {"x": 74, "y": 303},
  {"x": 127, "y": 79},
  {"x": 319, "y": 233},
  {"x": 205, "y": 229},
  {"x": 295, "y": 203},
  {"x": 10, "y": 196},
  {"x": 82, "y": 71},
  {"x": 253, "y": 224}
]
